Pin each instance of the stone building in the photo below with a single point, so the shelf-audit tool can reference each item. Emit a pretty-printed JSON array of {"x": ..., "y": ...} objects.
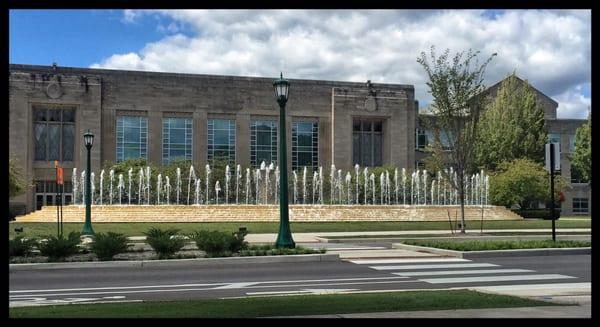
[{"x": 166, "y": 116}]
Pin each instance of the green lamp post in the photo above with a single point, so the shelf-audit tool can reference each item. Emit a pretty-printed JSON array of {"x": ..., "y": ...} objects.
[
  {"x": 88, "y": 137},
  {"x": 284, "y": 238}
]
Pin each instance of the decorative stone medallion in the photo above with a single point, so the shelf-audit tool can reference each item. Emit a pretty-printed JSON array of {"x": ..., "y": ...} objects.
[
  {"x": 370, "y": 103},
  {"x": 54, "y": 90}
]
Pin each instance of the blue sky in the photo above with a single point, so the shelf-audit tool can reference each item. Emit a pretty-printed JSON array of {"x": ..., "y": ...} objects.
[{"x": 550, "y": 48}]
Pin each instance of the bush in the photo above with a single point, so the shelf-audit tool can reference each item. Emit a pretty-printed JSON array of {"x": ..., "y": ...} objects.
[
  {"x": 261, "y": 250},
  {"x": 57, "y": 248},
  {"x": 105, "y": 246},
  {"x": 20, "y": 246},
  {"x": 217, "y": 243},
  {"x": 165, "y": 242},
  {"x": 538, "y": 213}
]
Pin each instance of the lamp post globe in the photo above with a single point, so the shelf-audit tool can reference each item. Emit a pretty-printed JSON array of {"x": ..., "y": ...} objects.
[
  {"x": 88, "y": 138},
  {"x": 284, "y": 237}
]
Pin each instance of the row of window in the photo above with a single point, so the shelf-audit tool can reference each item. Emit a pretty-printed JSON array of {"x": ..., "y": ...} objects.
[{"x": 177, "y": 140}]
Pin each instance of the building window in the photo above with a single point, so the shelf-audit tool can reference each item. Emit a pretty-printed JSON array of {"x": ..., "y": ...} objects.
[
  {"x": 422, "y": 139},
  {"x": 263, "y": 142},
  {"x": 177, "y": 139},
  {"x": 554, "y": 138},
  {"x": 580, "y": 205},
  {"x": 132, "y": 137},
  {"x": 54, "y": 134},
  {"x": 367, "y": 145},
  {"x": 221, "y": 140},
  {"x": 571, "y": 143},
  {"x": 46, "y": 193},
  {"x": 305, "y": 145}
]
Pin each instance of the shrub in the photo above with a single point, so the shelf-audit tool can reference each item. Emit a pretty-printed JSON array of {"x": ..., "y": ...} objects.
[
  {"x": 217, "y": 243},
  {"x": 20, "y": 246},
  {"x": 105, "y": 246},
  {"x": 538, "y": 213},
  {"x": 165, "y": 242},
  {"x": 57, "y": 248}
]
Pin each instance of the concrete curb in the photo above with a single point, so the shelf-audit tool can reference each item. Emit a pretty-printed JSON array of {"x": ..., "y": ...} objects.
[
  {"x": 206, "y": 262},
  {"x": 493, "y": 253}
]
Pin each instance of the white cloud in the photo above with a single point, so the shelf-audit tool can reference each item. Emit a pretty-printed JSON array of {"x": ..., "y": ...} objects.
[{"x": 550, "y": 48}]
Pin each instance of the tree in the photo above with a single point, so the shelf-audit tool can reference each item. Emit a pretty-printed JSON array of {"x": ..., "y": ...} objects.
[
  {"x": 16, "y": 183},
  {"x": 511, "y": 127},
  {"x": 582, "y": 157},
  {"x": 455, "y": 88},
  {"x": 522, "y": 183}
]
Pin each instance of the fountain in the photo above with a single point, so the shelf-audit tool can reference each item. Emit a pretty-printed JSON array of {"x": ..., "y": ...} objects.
[
  {"x": 120, "y": 186},
  {"x": 404, "y": 186},
  {"x": 83, "y": 188},
  {"x": 321, "y": 195},
  {"x": 425, "y": 187},
  {"x": 295, "y": 182},
  {"x": 238, "y": 176},
  {"x": 217, "y": 189},
  {"x": 227, "y": 179},
  {"x": 304, "y": 186},
  {"x": 382, "y": 187},
  {"x": 207, "y": 194},
  {"x": 191, "y": 175},
  {"x": 396, "y": 184},
  {"x": 366, "y": 175},
  {"x": 92, "y": 186},
  {"x": 267, "y": 171},
  {"x": 111, "y": 175},
  {"x": 277, "y": 184},
  {"x": 247, "y": 184},
  {"x": 348, "y": 181},
  {"x": 257, "y": 178},
  {"x": 332, "y": 184},
  {"x": 74, "y": 182},
  {"x": 140, "y": 184},
  {"x": 387, "y": 186},
  {"x": 158, "y": 188},
  {"x": 101, "y": 182},
  {"x": 356, "y": 172},
  {"x": 178, "y": 184},
  {"x": 167, "y": 189},
  {"x": 197, "y": 192},
  {"x": 339, "y": 185},
  {"x": 129, "y": 173},
  {"x": 148, "y": 185},
  {"x": 372, "y": 179},
  {"x": 314, "y": 185}
]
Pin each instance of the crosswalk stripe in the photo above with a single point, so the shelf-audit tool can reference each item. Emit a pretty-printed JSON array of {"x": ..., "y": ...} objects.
[
  {"x": 456, "y": 265},
  {"x": 493, "y": 278},
  {"x": 461, "y": 272},
  {"x": 413, "y": 260}
]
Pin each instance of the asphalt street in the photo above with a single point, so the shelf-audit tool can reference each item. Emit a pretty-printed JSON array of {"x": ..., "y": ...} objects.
[{"x": 89, "y": 285}]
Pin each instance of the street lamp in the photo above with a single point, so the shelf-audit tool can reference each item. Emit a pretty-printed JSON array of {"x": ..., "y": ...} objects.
[
  {"x": 284, "y": 238},
  {"x": 88, "y": 137}
]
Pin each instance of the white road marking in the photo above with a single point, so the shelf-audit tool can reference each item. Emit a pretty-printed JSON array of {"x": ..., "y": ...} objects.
[
  {"x": 461, "y": 272},
  {"x": 457, "y": 265},
  {"x": 311, "y": 291},
  {"x": 234, "y": 285},
  {"x": 493, "y": 278},
  {"x": 377, "y": 261}
]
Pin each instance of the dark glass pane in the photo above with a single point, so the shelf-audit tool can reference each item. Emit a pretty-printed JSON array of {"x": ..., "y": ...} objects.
[
  {"x": 221, "y": 124},
  {"x": 378, "y": 126},
  {"x": 67, "y": 199},
  {"x": 68, "y": 115},
  {"x": 177, "y": 136},
  {"x": 356, "y": 125},
  {"x": 68, "y": 142},
  {"x": 53, "y": 142},
  {"x": 304, "y": 127},
  {"x": 131, "y": 153},
  {"x": 305, "y": 139},
  {"x": 221, "y": 137},
  {"x": 54, "y": 115},
  {"x": 366, "y": 150},
  {"x": 177, "y": 123},
  {"x": 366, "y": 126},
  {"x": 263, "y": 138},
  {"x": 39, "y": 201},
  {"x": 356, "y": 148},
  {"x": 263, "y": 156},
  {"x": 49, "y": 200},
  {"x": 68, "y": 187},
  {"x": 39, "y": 114},
  {"x": 39, "y": 187},
  {"x": 131, "y": 134},
  {"x": 40, "y": 141},
  {"x": 377, "y": 150},
  {"x": 304, "y": 159}
]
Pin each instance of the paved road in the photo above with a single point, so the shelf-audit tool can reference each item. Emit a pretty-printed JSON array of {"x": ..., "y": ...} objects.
[{"x": 42, "y": 287}]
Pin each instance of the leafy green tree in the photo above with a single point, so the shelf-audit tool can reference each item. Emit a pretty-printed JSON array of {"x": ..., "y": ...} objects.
[
  {"x": 582, "y": 157},
  {"x": 522, "y": 183},
  {"x": 456, "y": 87},
  {"x": 511, "y": 127},
  {"x": 16, "y": 182}
]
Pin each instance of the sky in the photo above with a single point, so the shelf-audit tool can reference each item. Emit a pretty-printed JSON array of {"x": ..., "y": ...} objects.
[{"x": 549, "y": 48}]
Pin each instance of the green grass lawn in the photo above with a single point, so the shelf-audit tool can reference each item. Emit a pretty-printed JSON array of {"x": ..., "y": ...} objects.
[
  {"x": 497, "y": 245},
  {"x": 137, "y": 229},
  {"x": 282, "y": 305}
]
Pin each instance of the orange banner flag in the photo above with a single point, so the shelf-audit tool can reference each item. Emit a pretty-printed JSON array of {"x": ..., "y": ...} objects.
[{"x": 59, "y": 176}]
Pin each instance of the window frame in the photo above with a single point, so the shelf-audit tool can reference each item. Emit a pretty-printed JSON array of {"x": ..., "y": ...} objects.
[
  {"x": 61, "y": 124},
  {"x": 371, "y": 136}
]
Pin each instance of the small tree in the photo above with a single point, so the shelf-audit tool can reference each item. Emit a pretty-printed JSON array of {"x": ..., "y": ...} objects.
[
  {"x": 16, "y": 182},
  {"x": 582, "y": 157},
  {"x": 511, "y": 127},
  {"x": 522, "y": 183},
  {"x": 455, "y": 88}
]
